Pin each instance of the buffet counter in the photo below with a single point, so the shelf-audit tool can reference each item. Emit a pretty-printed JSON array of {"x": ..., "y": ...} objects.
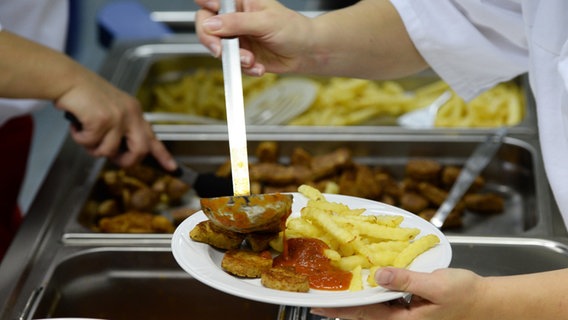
[{"x": 62, "y": 265}]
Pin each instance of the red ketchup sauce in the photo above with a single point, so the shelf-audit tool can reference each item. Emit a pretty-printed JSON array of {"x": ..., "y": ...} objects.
[{"x": 307, "y": 257}]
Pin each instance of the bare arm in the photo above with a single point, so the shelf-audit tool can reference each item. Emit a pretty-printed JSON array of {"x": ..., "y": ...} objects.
[
  {"x": 30, "y": 70},
  {"x": 366, "y": 40}
]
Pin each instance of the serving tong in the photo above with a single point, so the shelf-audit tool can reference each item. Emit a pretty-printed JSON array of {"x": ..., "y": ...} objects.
[{"x": 478, "y": 160}]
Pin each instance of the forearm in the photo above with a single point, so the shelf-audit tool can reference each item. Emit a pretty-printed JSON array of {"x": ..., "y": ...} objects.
[
  {"x": 530, "y": 296},
  {"x": 366, "y": 40},
  {"x": 30, "y": 70}
]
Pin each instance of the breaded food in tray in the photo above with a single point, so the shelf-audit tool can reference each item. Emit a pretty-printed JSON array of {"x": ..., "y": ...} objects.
[{"x": 510, "y": 197}]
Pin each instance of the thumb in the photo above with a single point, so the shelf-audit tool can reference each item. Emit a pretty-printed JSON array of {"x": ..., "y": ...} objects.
[{"x": 417, "y": 283}]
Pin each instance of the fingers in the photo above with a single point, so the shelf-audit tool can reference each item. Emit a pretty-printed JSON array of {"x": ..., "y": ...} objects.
[
  {"x": 159, "y": 152},
  {"x": 212, "y": 5},
  {"x": 109, "y": 123},
  {"x": 212, "y": 42},
  {"x": 141, "y": 141},
  {"x": 417, "y": 283}
]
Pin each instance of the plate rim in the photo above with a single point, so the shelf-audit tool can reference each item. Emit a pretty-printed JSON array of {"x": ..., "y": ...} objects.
[{"x": 222, "y": 281}]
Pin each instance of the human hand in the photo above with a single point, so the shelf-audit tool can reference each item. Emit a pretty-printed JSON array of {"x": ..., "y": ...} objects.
[
  {"x": 272, "y": 37},
  {"x": 443, "y": 294},
  {"x": 108, "y": 117}
]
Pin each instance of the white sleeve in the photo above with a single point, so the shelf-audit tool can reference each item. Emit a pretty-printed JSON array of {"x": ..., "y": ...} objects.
[{"x": 472, "y": 45}]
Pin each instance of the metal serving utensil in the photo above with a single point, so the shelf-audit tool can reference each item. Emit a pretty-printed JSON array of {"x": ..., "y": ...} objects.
[
  {"x": 235, "y": 109},
  {"x": 479, "y": 159},
  {"x": 242, "y": 212}
]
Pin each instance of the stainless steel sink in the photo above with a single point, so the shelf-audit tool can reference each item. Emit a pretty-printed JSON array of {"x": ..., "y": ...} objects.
[{"x": 146, "y": 283}]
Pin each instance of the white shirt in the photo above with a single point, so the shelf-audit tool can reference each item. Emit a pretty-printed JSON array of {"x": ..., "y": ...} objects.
[
  {"x": 474, "y": 44},
  {"x": 43, "y": 21}
]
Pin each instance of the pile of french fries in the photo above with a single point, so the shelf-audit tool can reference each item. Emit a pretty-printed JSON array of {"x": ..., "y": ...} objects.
[
  {"x": 356, "y": 242},
  {"x": 345, "y": 101},
  {"x": 502, "y": 105},
  {"x": 202, "y": 93}
]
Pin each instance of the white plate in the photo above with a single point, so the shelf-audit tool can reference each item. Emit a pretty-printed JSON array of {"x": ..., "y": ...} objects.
[{"x": 204, "y": 262}]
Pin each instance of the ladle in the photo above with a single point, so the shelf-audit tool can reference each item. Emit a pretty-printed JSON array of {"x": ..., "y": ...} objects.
[{"x": 241, "y": 212}]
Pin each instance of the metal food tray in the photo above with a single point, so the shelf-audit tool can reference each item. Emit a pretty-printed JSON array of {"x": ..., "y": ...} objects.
[
  {"x": 135, "y": 66},
  {"x": 146, "y": 282},
  {"x": 516, "y": 172}
]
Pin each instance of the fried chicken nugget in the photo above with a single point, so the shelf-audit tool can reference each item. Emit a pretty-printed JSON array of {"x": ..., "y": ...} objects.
[
  {"x": 286, "y": 279},
  {"x": 245, "y": 263},
  {"x": 209, "y": 233},
  {"x": 260, "y": 241},
  {"x": 488, "y": 203}
]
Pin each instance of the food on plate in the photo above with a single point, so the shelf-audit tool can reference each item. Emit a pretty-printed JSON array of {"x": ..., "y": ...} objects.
[
  {"x": 207, "y": 232},
  {"x": 307, "y": 257},
  {"x": 285, "y": 279},
  {"x": 260, "y": 241},
  {"x": 330, "y": 246},
  {"x": 250, "y": 213},
  {"x": 421, "y": 188},
  {"x": 354, "y": 241},
  {"x": 132, "y": 199},
  {"x": 245, "y": 263}
]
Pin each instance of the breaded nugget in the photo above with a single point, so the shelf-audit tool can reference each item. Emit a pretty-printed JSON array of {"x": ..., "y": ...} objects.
[
  {"x": 285, "y": 279},
  {"x": 423, "y": 169},
  {"x": 454, "y": 219},
  {"x": 209, "y": 233},
  {"x": 451, "y": 173},
  {"x": 260, "y": 241},
  {"x": 413, "y": 202},
  {"x": 245, "y": 263},
  {"x": 136, "y": 222},
  {"x": 488, "y": 203},
  {"x": 267, "y": 151}
]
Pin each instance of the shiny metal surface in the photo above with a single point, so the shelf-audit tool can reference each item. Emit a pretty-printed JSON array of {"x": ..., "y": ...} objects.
[
  {"x": 52, "y": 240},
  {"x": 52, "y": 234},
  {"x": 145, "y": 282},
  {"x": 57, "y": 266}
]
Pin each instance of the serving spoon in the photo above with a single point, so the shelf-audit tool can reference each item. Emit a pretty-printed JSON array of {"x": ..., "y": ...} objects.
[
  {"x": 424, "y": 118},
  {"x": 478, "y": 160},
  {"x": 242, "y": 212}
]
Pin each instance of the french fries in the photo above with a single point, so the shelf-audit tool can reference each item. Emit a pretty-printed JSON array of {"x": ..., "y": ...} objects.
[
  {"x": 357, "y": 243},
  {"x": 202, "y": 93},
  {"x": 502, "y": 105},
  {"x": 342, "y": 101}
]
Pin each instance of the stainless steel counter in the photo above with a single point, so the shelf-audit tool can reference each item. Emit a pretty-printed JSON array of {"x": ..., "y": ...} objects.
[
  {"x": 46, "y": 258},
  {"x": 57, "y": 267}
]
